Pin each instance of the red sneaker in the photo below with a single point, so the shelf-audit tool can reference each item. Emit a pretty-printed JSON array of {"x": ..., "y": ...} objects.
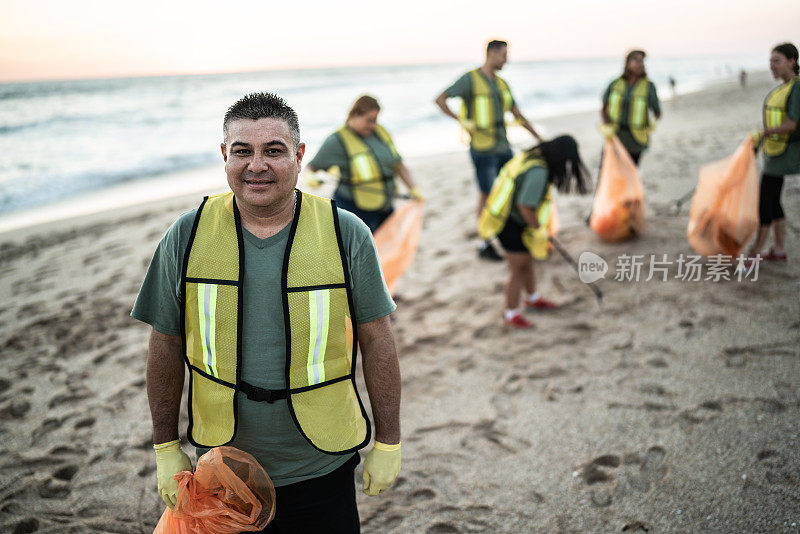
[
  {"x": 519, "y": 321},
  {"x": 540, "y": 304},
  {"x": 771, "y": 255}
]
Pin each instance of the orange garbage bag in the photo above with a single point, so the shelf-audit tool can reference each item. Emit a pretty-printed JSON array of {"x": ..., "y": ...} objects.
[
  {"x": 724, "y": 211},
  {"x": 397, "y": 240},
  {"x": 228, "y": 492},
  {"x": 618, "y": 209}
]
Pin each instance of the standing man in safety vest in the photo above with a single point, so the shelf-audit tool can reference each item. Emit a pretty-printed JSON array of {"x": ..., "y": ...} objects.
[
  {"x": 486, "y": 98},
  {"x": 627, "y": 103},
  {"x": 265, "y": 294}
]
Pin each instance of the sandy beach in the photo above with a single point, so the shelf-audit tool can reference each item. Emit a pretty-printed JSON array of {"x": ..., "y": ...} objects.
[{"x": 670, "y": 406}]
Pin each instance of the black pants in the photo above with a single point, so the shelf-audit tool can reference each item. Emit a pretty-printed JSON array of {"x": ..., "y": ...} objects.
[
  {"x": 326, "y": 504},
  {"x": 769, "y": 200}
]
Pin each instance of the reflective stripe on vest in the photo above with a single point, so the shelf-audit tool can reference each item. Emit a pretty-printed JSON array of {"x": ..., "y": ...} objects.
[
  {"x": 318, "y": 305},
  {"x": 480, "y": 107},
  {"x": 371, "y": 190},
  {"x": 638, "y": 117},
  {"x": 495, "y": 214},
  {"x": 321, "y": 335},
  {"x": 774, "y": 115},
  {"x": 207, "y": 303}
]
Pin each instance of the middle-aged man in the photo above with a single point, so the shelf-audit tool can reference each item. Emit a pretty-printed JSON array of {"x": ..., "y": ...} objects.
[
  {"x": 486, "y": 99},
  {"x": 265, "y": 293}
]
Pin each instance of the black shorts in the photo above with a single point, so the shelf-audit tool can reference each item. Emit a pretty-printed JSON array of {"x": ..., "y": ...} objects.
[
  {"x": 511, "y": 236},
  {"x": 769, "y": 199},
  {"x": 324, "y": 505}
]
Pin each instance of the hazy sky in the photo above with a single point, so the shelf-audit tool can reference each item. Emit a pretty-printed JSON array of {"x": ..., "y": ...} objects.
[{"x": 86, "y": 38}]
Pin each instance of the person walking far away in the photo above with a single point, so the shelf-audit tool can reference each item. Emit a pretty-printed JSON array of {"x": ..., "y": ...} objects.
[
  {"x": 486, "y": 98},
  {"x": 266, "y": 294}
]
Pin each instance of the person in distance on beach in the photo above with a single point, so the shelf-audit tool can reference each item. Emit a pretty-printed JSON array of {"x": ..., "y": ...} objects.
[
  {"x": 780, "y": 141},
  {"x": 266, "y": 293},
  {"x": 363, "y": 154},
  {"x": 486, "y": 98},
  {"x": 518, "y": 210},
  {"x": 627, "y": 103}
]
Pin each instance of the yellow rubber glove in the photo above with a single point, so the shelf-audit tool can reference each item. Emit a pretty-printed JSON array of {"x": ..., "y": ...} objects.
[
  {"x": 608, "y": 130},
  {"x": 310, "y": 178},
  {"x": 170, "y": 459},
  {"x": 416, "y": 194},
  {"x": 381, "y": 467},
  {"x": 757, "y": 137},
  {"x": 652, "y": 126},
  {"x": 469, "y": 125},
  {"x": 541, "y": 243}
]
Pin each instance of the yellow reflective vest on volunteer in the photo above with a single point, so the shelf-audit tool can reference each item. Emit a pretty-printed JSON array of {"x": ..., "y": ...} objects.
[
  {"x": 497, "y": 210},
  {"x": 638, "y": 116},
  {"x": 321, "y": 333},
  {"x": 372, "y": 191},
  {"x": 774, "y": 115},
  {"x": 480, "y": 108}
]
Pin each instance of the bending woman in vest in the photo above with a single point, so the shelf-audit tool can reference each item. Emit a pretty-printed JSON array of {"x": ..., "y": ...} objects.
[
  {"x": 519, "y": 206},
  {"x": 627, "y": 103},
  {"x": 781, "y": 145},
  {"x": 363, "y": 155}
]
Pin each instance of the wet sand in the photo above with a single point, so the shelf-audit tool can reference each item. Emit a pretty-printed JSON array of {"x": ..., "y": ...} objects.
[{"x": 669, "y": 407}]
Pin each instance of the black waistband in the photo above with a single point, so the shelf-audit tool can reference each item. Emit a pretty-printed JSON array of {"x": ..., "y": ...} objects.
[{"x": 258, "y": 394}]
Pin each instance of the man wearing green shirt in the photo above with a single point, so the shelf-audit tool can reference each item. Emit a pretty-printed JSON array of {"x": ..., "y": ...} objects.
[
  {"x": 486, "y": 98},
  {"x": 263, "y": 155}
]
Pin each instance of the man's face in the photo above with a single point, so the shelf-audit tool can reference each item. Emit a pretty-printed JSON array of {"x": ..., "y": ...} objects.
[
  {"x": 261, "y": 162},
  {"x": 498, "y": 57}
]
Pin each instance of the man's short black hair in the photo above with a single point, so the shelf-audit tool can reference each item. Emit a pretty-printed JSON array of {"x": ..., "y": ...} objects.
[
  {"x": 495, "y": 45},
  {"x": 262, "y": 106}
]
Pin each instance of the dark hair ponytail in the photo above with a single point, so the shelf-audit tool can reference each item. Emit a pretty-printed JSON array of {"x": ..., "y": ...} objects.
[
  {"x": 790, "y": 52},
  {"x": 565, "y": 169}
]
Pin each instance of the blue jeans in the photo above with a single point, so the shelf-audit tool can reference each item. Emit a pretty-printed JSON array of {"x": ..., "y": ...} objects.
[
  {"x": 487, "y": 167},
  {"x": 373, "y": 219}
]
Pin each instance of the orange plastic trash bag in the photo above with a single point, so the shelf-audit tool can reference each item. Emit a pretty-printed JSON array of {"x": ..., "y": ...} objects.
[
  {"x": 618, "y": 210},
  {"x": 724, "y": 210},
  {"x": 397, "y": 240},
  {"x": 228, "y": 492}
]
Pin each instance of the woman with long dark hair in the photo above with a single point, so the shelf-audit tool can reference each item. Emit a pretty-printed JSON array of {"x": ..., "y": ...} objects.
[
  {"x": 518, "y": 211},
  {"x": 781, "y": 145},
  {"x": 627, "y": 103}
]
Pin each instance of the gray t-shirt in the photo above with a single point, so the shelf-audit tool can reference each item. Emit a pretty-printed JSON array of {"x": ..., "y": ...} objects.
[
  {"x": 462, "y": 88},
  {"x": 265, "y": 430},
  {"x": 332, "y": 152},
  {"x": 529, "y": 191},
  {"x": 625, "y": 136}
]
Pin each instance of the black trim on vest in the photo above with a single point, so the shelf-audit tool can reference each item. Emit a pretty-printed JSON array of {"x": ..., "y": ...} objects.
[
  {"x": 351, "y": 306},
  {"x": 184, "y": 268},
  {"x": 312, "y": 288},
  {"x": 212, "y": 281},
  {"x": 321, "y": 384},
  {"x": 240, "y": 313},
  {"x": 286, "y": 320},
  {"x": 212, "y": 378}
]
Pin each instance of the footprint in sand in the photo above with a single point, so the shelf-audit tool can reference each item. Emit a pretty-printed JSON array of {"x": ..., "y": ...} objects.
[{"x": 611, "y": 477}]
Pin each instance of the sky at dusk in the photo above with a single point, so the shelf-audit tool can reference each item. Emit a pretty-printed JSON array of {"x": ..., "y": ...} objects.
[{"x": 52, "y": 39}]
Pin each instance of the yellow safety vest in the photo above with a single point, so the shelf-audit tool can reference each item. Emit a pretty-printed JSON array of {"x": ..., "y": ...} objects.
[
  {"x": 495, "y": 213},
  {"x": 321, "y": 336},
  {"x": 480, "y": 107},
  {"x": 774, "y": 115},
  {"x": 638, "y": 117},
  {"x": 371, "y": 190}
]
